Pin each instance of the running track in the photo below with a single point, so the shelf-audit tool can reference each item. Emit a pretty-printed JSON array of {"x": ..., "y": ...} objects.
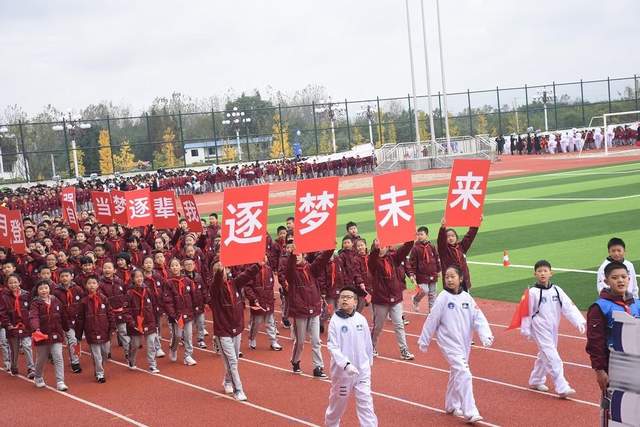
[{"x": 408, "y": 392}]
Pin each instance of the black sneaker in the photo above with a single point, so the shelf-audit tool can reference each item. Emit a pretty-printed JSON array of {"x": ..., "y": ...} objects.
[
  {"x": 296, "y": 368},
  {"x": 321, "y": 329},
  {"x": 75, "y": 367},
  {"x": 240, "y": 355},
  {"x": 286, "y": 323},
  {"x": 102, "y": 380},
  {"x": 318, "y": 372}
]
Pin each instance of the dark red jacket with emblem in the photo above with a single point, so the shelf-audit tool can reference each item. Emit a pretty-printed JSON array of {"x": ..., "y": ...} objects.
[
  {"x": 141, "y": 311},
  {"x": 178, "y": 298},
  {"x": 51, "y": 319},
  {"x": 95, "y": 319},
  {"x": 114, "y": 290},
  {"x": 386, "y": 283},
  {"x": 70, "y": 299},
  {"x": 455, "y": 254},
  {"x": 260, "y": 290},
  {"x": 303, "y": 291},
  {"x": 14, "y": 313},
  {"x": 423, "y": 263},
  {"x": 227, "y": 303}
]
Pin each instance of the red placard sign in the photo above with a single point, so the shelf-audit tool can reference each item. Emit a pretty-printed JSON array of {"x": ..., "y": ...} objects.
[
  {"x": 5, "y": 239},
  {"x": 139, "y": 211},
  {"x": 102, "y": 207},
  {"x": 467, "y": 189},
  {"x": 69, "y": 209},
  {"x": 165, "y": 211},
  {"x": 244, "y": 228},
  {"x": 18, "y": 241},
  {"x": 119, "y": 203},
  {"x": 315, "y": 214},
  {"x": 191, "y": 214},
  {"x": 393, "y": 204}
]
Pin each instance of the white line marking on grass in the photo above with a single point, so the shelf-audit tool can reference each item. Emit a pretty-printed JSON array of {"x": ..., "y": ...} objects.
[
  {"x": 538, "y": 199},
  {"x": 88, "y": 403},
  {"x": 570, "y": 270},
  {"x": 218, "y": 394},
  {"x": 328, "y": 381}
]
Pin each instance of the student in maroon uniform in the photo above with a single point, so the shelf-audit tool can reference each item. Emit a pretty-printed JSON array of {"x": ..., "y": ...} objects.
[
  {"x": 141, "y": 320},
  {"x": 14, "y": 318},
  {"x": 48, "y": 321},
  {"x": 95, "y": 322},
  {"x": 155, "y": 283},
  {"x": 261, "y": 298},
  {"x": 423, "y": 268},
  {"x": 452, "y": 251},
  {"x": 178, "y": 304},
  {"x": 331, "y": 280},
  {"x": 305, "y": 304},
  {"x": 69, "y": 294},
  {"x": 387, "y": 288},
  {"x": 228, "y": 321},
  {"x": 363, "y": 280},
  {"x": 200, "y": 298},
  {"x": 113, "y": 288}
]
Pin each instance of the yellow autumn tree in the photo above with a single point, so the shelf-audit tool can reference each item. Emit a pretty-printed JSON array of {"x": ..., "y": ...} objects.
[
  {"x": 165, "y": 156},
  {"x": 356, "y": 136},
  {"x": 453, "y": 128},
  {"x": 481, "y": 126},
  {"x": 80, "y": 158},
  {"x": 125, "y": 160},
  {"x": 280, "y": 139},
  {"x": 229, "y": 153},
  {"x": 106, "y": 164},
  {"x": 424, "y": 126},
  {"x": 324, "y": 145},
  {"x": 392, "y": 136}
]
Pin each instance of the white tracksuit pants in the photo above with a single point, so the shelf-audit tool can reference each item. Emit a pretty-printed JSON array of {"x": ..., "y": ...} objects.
[
  {"x": 459, "y": 388},
  {"x": 548, "y": 363},
  {"x": 341, "y": 387}
]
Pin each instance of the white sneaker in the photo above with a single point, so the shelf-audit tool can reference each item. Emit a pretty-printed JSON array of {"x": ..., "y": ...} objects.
[
  {"x": 252, "y": 344},
  {"x": 240, "y": 396},
  {"x": 474, "y": 418},
  {"x": 173, "y": 355},
  {"x": 228, "y": 388},
  {"x": 206, "y": 333},
  {"x": 39, "y": 382},
  {"x": 567, "y": 393},
  {"x": 189, "y": 361},
  {"x": 160, "y": 353},
  {"x": 455, "y": 412},
  {"x": 539, "y": 387},
  {"x": 62, "y": 387},
  {"x": 154, "y": 370},
  {"x": 276, "y": 346}
]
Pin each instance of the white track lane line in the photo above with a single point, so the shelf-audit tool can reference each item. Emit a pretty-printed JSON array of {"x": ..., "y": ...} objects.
[
  {"x": 515, "y": 386},
  {"x": 328, "y": 381},
  {"x": 88, "y": 403},
  {"x": 215, "y": 393}
]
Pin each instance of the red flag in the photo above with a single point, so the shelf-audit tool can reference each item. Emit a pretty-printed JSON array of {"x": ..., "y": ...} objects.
[
  {"x": 139, "y": 211},
  {"x": 165, "y": 211},
  {"x": 102, "y": 207},
  {"x": 5, "y": 239},
  {"x": 18, "y": 241},
  {"x": 393, "y": 204},
  {"x": 119, "y": 203},
  {"x": 69, "y": 207},
  {"x": 191, "y": 214},
  {"x": 467, "y": 189},
  {"x": 522, "y": 311},
  {"x": 38, "y": 336},
  {"x": 244, "y": 228},
  {"x": 316, "y": 211}
]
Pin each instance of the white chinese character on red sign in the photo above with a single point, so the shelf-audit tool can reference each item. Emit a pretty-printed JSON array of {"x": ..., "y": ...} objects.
[
  {"x": 139, "y": 207},
  {"x": 71, "y": 214},
  {"x": 68, "y": 197},
  {"x": 164, "y": 207},
  {"x": 190, "y": 211},
  {"x": 16, "y": 231},
  {"x": 394, "y": 207},
  {"x": 245, "y": 223},
  {"x": 119, "y": 204},
  {"x": 468, "y": 187},
  {"x": 316, "y": 209},
  {"x": 103, "y": 207},
  {"x": 3, "y": 226}
]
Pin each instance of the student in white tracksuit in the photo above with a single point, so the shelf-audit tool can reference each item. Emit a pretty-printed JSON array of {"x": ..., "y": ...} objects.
[
  {"x": 547, "y": 303},
  {"x": 349, "y": 342},
  {"x": 453, "y": 319},
  {"x": 597, "y": 138},
  {"x": 552, "y": 144},
  {"x": 616, "y": 248}
]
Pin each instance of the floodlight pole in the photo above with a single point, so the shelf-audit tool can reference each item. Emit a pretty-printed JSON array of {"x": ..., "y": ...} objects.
[
  {"x": 426, "y": 66},
  {"x": 413, "y": 77}
]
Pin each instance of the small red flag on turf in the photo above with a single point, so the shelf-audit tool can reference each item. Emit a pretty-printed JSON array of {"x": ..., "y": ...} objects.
[{"x": 522, "y": 311}]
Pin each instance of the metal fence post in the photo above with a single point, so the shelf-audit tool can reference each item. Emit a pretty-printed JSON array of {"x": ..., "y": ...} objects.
[
  {"x": 609, "y": 92},
  {"x": 555, "y": 105},
  {"x": 113, "y": 165},
  {"x": 470, "y": 116},
  {"x": 441, "y": 117},
  {"x": 66, "y": 144},
  {"x": 282, "y": 131},
  {"x": 315, "y": 125},
  {"x": 246, "y": 128},
  {"x": 346, "y": 113},
  {"x": 146, "y": 117},
  {"x": 215, "y": 140},
  {"x": 380, "y": 136},
  {"x": 526, "y": 105},
  {"x": 584, "y": 120},
  {"x": 410, "y": 121},
  {"x": 499, "y": 111},
  {"x": 24, "y": 152}
]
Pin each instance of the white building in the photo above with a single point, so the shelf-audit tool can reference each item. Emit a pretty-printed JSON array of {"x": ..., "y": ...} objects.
[{"x": 205, "y": 151}]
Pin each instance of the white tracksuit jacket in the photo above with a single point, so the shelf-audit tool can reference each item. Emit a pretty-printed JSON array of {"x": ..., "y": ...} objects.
[
  {"x": 633, "y": 280},
  {"x": 349, "y": 341},
  {"x": 546, "y": 306},
  {"x": 453, "y": 320}
]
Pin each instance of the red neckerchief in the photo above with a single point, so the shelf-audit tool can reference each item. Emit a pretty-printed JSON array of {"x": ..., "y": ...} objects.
[
  {"x": 227, "y": 284},
  {"x": 69, "y": 296},
  {"x": 425, "y": 254},
  {"x": 388, "y": 268},
  {"x": 333, "y": 273},
  {"x": 303, "y": 269},
  {"x": 263, "y": 273},
  {"x": 457, "y": 253},
  {"x": 16, "y": 305},
  {"x": 96, "y": 302}
]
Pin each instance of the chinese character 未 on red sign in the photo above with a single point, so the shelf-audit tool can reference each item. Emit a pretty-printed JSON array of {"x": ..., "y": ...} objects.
[{"x": 393, "y": 205}]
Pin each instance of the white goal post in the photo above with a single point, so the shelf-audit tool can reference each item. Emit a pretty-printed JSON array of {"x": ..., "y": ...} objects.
[{"x": 604, "y": 125}]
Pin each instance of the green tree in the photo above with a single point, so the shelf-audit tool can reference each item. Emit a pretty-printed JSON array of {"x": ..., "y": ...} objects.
[
  {"x": 280, "y": 139},
  {"x": 106, "y": 164},
  {"x": 481, "y": 126},
  {"x": 325, "y": 146},
  {"x": 392, "y": 135},
  {"x": 356, "y": 136}
]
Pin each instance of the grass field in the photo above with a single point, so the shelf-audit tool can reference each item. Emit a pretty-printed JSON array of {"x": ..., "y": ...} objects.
[{"x": 564, "y": 217}]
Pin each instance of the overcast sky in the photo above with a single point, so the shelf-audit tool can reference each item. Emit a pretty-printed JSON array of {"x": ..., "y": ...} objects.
[{"x": 73, "y": 53}]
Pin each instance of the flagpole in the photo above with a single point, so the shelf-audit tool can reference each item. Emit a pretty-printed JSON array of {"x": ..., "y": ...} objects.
[
  {"x": 444, "y": 86},
  {"x": 413, "y": 77},
  {"x": 426, "y": 66}
]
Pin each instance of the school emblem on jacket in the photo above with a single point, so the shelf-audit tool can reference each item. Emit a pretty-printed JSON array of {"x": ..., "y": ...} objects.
[
  {"x": 465, "y": 305},
  {"x": 555, "y": 298},
  {"x": 359, "y": 327},
  {"x": 344, "y": 329},
  {"x": 451, "y": 305},
  {"x": 543, "y": 300}
]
